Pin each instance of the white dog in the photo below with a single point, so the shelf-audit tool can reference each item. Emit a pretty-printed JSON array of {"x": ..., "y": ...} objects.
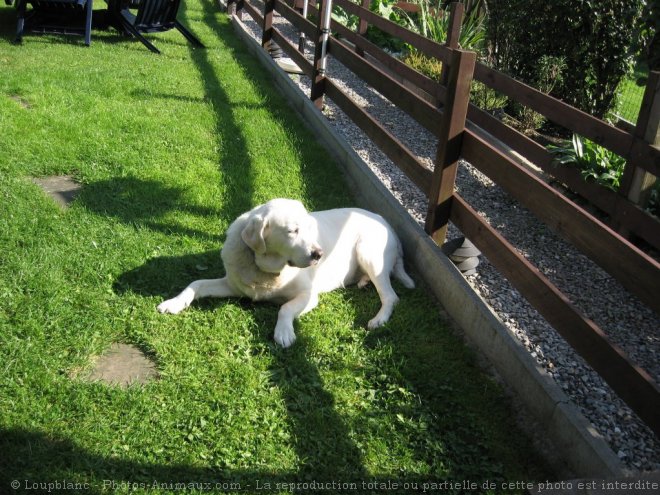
[{"x": 279, "y": 252}]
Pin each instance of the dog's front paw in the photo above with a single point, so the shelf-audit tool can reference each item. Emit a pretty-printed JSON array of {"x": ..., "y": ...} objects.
[
  {"x": 376, "y": 321},
  {"x": 172, "y": 306},
  {"x": 284, "y": 335}
]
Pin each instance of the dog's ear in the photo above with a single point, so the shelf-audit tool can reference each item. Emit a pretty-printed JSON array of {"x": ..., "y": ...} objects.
[{"x": 253, "y": 234}]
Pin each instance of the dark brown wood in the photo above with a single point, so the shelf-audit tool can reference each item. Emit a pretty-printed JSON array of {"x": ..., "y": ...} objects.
[
  {"x": 634, "y": 269},
  {"x": 414, "y": 8},
  {"x": 252, "y": 12},
  {"x": 636, "y": 182},
  {"x": 419, "y": 109},
  {"x": 362, "y": 28},
  {"x": 426, "y": 84},
  {"x": 267, "y": 31},
  {"x": 456, "y": 11},
  {"x": 321, "y": 45},
  {"x": 238, "y": 10},
  {"x": 556, "y": 110},
  {"x": 291, "y": 51},
  {"x": 295, "y": 18},
  {"x": 636, "y": 220},
  {"x": 392, "y": 147},
  {"x": 424, "y": 45},
  {"x": 450, "y": 142},
  {"x": 630, "y": 382}
]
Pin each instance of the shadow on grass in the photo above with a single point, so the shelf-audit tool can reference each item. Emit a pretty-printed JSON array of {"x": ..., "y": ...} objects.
[
  {"x": 41, "y": 463},
  {"x": 8, "y": 22},
  {"x": 322, "y": 441},
  {"x": 143, "y": 203}
]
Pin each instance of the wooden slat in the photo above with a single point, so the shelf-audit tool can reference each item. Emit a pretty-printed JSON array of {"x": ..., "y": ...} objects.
[
  {"x": 449, "y": 148},
  {"x": 424, "y": 45},
  {"x": 556, "y": 110},
  {"x": 621, "y": 209},
  {"x": 423, "y": 82},
  {"x": 253, "y": 12},
  {"x": 295, "y": 18},
  {"x": 397, "y": 152},
  {"x": 419, "y": 109},
  {"x": 634, "y": 269},
  {"x": 300, "y": 60},
  {"x": 267, "y": 26},
  {"x": 630, "y": 382}
]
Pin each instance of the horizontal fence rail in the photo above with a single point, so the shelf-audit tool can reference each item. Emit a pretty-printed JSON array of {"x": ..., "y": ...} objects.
[{"x": 465, "y": 131}]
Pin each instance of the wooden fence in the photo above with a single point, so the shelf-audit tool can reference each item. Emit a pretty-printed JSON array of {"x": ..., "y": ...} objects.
[{"x": 445, "y": 110}]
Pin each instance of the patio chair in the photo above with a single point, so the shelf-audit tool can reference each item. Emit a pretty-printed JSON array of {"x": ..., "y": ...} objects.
[
  {"x": 152, "y": 16},
  {"x": 55, "y": 16}
]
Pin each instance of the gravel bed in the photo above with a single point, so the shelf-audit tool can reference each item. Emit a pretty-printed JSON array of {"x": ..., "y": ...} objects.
[{"x": 627, "y": 322}]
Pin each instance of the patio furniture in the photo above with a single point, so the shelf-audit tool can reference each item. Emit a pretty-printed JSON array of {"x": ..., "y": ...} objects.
[
  {"x": 151, "y": 16},
  {"x": 55, "y": 16}
]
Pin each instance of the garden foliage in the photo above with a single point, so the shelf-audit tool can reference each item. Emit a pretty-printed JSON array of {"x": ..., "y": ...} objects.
[
  {"x": 593, "y": 37},
  {"x": 594, "y": 161}
]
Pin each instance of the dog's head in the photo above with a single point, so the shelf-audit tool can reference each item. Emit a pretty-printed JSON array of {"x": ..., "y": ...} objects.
[{"x": 281, "y": 233}]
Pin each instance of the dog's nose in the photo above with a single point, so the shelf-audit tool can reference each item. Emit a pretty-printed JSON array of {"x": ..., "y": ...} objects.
[{"x": 316, "y": 254}]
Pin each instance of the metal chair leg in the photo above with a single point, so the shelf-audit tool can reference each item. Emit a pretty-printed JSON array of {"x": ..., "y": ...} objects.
[
  {"x": 20, "y": 27},
  {"x": 188, "y": 35},
  {"x": 88, "y": 22}
]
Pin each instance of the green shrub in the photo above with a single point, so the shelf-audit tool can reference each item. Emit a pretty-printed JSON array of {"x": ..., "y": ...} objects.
[
  {"x": 594, "y": 38},
  {"x": 434, "y": 24},
  {"x": 594, "y": 161}
]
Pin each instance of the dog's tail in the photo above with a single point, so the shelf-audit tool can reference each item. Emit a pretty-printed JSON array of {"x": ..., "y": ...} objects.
[{"x": 399, "y": 270}]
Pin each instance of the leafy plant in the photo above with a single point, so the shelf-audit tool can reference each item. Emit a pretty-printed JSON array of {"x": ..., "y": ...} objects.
[
  {"x": 342, "y": 17},
  {"x": 433, "y": 23},
  {"x": 485, "y": 97},
  {"x": 594, "y": 38},
  {"x": 549, "y": 73},
  {"x": 594, "y": 161}
]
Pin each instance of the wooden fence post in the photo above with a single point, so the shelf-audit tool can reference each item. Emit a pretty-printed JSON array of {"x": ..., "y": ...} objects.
[
  {"x": 637, "y": 183},
  {"x": 267, "y": 36},
  {"x": 238, "y": 9},
  {"x": 320, "y": 52},
  {"x": 456, "y": 10},
  {"x": 450, "y": 138},
  {"x": 362, "y": 27},
  {"x": 301, "y": 6}
]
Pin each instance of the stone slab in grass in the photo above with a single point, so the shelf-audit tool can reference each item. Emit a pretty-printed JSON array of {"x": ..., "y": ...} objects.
[
  {"x": 123, "y": 365},
  {"x": 62, "y": 188}
]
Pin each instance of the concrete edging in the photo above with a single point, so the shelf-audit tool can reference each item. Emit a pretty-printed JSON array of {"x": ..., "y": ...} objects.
[{"x": 585, "y": 452}]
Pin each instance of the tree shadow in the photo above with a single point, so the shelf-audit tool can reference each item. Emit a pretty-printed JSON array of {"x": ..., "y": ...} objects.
[
  {"x": 322, "y": 439},
  {"x": 7, "y": 22},
  {"x": 143, "y": 202}
]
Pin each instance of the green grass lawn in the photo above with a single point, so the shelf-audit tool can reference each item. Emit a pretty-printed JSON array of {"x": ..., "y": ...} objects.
[
  {"x": 170, "y": 149},
  {"x": 631, "y": 94}
]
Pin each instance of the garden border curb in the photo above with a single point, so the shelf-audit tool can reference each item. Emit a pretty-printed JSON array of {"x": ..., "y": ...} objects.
[{"x": 584, "y": 451}]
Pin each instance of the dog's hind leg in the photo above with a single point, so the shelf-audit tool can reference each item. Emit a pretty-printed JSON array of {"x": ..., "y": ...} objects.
[
  {"x": 378, "y": 269},
  {"x": 400, "y": 274},
  {"x": 217, "y": 287},
  {"x": 388, "y": 299}
]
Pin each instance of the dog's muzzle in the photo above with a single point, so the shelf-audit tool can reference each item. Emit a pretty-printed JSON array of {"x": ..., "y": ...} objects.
[{"x": 317, "y": 254}]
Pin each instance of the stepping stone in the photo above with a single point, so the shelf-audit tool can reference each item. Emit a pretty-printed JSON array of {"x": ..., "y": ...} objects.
[
  {"x": 23, "y": 103},
  {"x": 62, "y": 188},
  {"x": 123, "y": 365}
]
